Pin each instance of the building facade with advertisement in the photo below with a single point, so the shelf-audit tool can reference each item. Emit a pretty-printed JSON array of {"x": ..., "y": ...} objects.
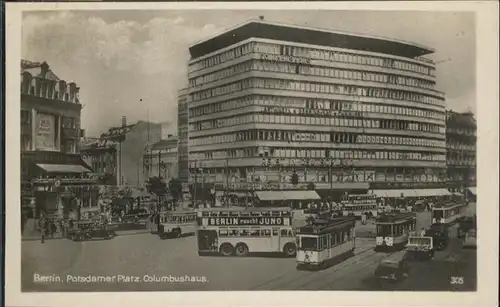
[
  {"x": 54, "y": 179},
  {"x": 182, "y": 132},
  {"x": 461, "y": 152},
  {"x": 341, "y": 111},
  {"x": 161, "y": 159},
  {"x": 117, "y": 155}
]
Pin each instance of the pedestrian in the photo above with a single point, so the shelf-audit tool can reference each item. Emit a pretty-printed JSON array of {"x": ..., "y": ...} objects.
[
  {"x": 42, "y": 229},
  {"x": 54, "y": 228}
]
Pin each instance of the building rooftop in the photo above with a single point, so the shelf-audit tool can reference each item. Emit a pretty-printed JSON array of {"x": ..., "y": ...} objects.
[
  {"x": 307, "y": 35},
  {"x": 36, "y": 70},
  {"x": 163, "y": 144},
  {"x": 465, "y": 119}
]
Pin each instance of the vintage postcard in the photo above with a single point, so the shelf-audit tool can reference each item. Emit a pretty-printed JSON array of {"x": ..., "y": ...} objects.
[{"x": 179, "y": 149}]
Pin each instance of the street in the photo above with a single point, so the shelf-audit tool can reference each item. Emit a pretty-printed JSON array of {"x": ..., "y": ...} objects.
[{"x": 146, "y": 255}]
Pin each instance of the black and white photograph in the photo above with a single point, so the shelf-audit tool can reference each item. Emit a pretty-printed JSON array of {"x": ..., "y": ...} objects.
[{"x": 248, "y": 150}]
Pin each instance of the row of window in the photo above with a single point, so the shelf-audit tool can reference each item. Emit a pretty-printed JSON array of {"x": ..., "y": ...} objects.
[
  {"x": 360, "y": 208},
  {"x": 309, "y": 70},
  {"x": 310, "y": 53},
  {"x": 262, "y": 182},
  {"x": 48, "y": 89},
  {"x": 334, "y": 154},
  {"x": 320, "y": 121},
  {"x": 325, "y": 88},
  {"x": 296, "y": 105},
  {"x": 255, "y": 232},
  {"x": 289, "y": 136},
  {"x": 395, "y": 230},
  {"x": 326, "y": 241}
]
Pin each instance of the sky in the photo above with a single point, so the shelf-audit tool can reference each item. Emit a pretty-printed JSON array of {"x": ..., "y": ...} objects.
[{"x": 119, "y": 57}]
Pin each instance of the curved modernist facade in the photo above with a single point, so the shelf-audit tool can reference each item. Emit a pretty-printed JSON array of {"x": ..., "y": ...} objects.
[{"x": 267, "y": 100}]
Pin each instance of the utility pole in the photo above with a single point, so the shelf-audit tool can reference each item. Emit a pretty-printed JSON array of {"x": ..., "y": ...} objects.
[
  {"x": 159, "y": 163},
  {"x": 195, "y": 182}
]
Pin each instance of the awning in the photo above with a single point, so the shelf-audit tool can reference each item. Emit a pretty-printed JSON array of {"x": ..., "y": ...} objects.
[
  {"x": 432, "y": 192},
  {"x": 395, "y": 193},
  {"x": 472, "y": 190},
  {"x": 287, "y": 195},
  {"x": 350, "y": 186},
  {"x": 64, "y": 168}
]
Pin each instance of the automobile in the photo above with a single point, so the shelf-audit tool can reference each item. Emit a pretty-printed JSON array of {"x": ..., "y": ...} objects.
[
  {"x": 469, "y": 241},
  {"x": 92, "y": 231},
  {"x": 389, "y": 270},
  {"x": 419, "y": 247},
  {"x": 440, "y": 236},
  {"x": 466, "y": 224}
]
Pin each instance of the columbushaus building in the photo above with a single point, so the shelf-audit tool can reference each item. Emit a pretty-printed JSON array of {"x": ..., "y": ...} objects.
[{"x": 342, "y": 111}]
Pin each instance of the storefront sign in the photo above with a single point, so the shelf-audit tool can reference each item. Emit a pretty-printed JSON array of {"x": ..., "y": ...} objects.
[
  {"x": 246, "y": 221},
  {"x": 45, "y": 132},
  {"x": 284, "y": 58}
]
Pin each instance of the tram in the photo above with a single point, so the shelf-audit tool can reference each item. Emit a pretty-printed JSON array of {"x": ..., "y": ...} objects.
[
  {"x": 448, "y": 214},
  {"x": 173, "y": 224},
  {"x": 324, "y": 243},
  {"x": 393, "y": 230},
  {"x": 359, "y": 204}
]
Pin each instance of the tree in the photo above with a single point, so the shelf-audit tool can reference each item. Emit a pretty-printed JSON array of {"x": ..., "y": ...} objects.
[
  {"x": 175, "y": 188},
  {"x": 157, "y": 186}
]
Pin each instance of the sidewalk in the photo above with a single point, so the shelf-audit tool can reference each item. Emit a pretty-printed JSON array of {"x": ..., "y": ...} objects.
[{"x": 38, "y": 236}]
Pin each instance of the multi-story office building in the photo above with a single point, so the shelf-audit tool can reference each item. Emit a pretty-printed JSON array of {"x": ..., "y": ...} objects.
[
  {"x": 53, "y": 176},
  {"x": 182, "y": 132},
  {"x": 342, "y": 111},
  {"x": 117, "y": 156},
  {"x": 461, "y": 151},
  {"x": 161, "y": 159}
]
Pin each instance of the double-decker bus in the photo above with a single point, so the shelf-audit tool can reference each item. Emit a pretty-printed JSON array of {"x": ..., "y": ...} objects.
[
  {"x": 323, "y": 243},
  {"x": 359, "y": 204},
  {"x": 393, "y": 230},
  {"x": 239, "y": 231},
  {"x": 173, "y": 224},
  {"x": 448, "y": 213}
]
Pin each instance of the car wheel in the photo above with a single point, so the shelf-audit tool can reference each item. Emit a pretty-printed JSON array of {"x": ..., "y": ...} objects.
[
  {"x": 289, "y": 250},
  {"x": 226, "y": 249},
  {"x": 241, "y": 250}
]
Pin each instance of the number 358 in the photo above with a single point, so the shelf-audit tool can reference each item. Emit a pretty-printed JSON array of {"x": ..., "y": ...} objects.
[{"x": 457, "y": 280}]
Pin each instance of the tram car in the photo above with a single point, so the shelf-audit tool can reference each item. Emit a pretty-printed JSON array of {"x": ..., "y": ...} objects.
[
  {"x": 393, "y": 230},
  {"x": 449, "y": 213},
  {"x": 173, "y": 224},
  {"x": 323, "y": 243}
]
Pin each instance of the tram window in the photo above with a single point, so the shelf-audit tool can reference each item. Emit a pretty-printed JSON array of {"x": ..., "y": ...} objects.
[
  {"x": 383, "y": 230},
  {"x": 266, "y": 232},
  {"x": 275, "y": 213},
  {"x": 266, "y": 214},
  {"x": 214, "y": 214},
  {"x": 275, "y": 232},
  {"x": 324, "y": 242},
  {"x": 224, "y": 214},
  {"x": 438, "y": 214},
  {"x": 244, "y": 232},
  {"x": 233, "y": 214},
  {"x": 309, "y": 243},
  {"x": 254, "y": 232},
  {"x": 254, "y": 214},
  {"x": 284, "y": 233},
  {"x": 223, "y": 232}
]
